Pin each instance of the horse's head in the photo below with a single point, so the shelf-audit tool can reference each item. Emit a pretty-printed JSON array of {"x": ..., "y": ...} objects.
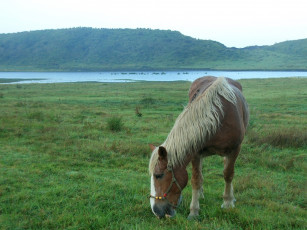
[{"x": 166, "y": 185}]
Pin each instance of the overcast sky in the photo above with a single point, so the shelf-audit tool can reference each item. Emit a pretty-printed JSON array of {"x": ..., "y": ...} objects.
[{"x": 237, "y": 23}]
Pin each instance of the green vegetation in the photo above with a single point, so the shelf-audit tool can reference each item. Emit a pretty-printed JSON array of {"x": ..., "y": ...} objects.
[
  {"x": 61, "y": 167},
  {"x": 115, "y": 124},
  {"x": 87, "y": 49}
]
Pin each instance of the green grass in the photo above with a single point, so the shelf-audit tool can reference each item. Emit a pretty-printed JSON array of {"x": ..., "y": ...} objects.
[
  {"x": 115, "y": 124},
  {"x": 62, "y": 167}
]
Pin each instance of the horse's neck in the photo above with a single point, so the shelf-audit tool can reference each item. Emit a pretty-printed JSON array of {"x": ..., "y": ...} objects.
[{"x": 188, "y": 158}]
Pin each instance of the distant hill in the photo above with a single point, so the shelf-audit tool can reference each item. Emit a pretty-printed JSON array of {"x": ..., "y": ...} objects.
[{"x": 87, "y": 49}]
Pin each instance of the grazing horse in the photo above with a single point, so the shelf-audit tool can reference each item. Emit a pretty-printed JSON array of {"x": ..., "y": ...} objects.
[{"x": 213, "y": 123}]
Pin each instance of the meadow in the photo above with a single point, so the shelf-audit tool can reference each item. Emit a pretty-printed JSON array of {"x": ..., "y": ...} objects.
[{"x": 75, "y": 156}]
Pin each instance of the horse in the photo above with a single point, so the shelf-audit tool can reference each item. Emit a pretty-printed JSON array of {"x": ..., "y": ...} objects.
[{"x": 213, "y": 123}]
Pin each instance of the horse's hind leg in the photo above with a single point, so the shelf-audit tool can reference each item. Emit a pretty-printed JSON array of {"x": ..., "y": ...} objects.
[
  {"x": 197, "y": 186},
  {"x": 229, "y": 164}
]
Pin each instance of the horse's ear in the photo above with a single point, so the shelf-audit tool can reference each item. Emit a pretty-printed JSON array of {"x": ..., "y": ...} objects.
[
  {"x": 152, "y": 147},
  {"x": 162, "y": 153}
]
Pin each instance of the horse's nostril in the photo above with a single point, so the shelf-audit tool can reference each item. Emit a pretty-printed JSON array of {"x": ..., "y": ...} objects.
[{"x": 159, "y": 211}]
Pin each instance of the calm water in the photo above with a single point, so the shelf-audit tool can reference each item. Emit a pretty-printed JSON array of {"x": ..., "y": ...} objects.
[{"x": 56, "y": 77}]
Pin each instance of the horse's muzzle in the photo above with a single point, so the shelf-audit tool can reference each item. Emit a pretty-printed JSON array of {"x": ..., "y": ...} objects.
[{"x": 163, "y": 209}]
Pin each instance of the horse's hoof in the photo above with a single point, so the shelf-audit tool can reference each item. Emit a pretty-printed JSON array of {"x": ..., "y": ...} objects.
[
  {"x": 193, "y": 217},
  {"x": 228, "y": 204}
]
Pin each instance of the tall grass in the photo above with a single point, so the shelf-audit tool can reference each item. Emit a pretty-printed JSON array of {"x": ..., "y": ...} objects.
[
  {"x": 115, "y": 124},
  {"x": 283, "y": 137}
]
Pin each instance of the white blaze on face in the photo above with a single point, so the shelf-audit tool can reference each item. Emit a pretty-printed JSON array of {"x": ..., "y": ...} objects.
[{"x": 153, "y": 193}]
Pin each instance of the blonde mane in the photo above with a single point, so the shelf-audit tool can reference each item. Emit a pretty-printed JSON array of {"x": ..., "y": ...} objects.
[{"x": 196, "y": 124}]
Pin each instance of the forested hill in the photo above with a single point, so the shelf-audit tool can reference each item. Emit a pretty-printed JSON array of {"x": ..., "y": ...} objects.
[{"x": 87, "y": 49}]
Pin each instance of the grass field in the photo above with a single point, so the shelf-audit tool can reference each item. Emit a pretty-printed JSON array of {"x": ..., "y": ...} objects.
[{"x": 63, "y": 165}]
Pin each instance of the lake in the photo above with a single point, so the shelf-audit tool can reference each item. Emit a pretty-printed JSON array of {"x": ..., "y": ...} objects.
[{"x": 59, "y": 77}]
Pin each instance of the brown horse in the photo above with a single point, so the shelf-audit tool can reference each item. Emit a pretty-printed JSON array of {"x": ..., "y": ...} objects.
[{"x": 214, "y": 122}]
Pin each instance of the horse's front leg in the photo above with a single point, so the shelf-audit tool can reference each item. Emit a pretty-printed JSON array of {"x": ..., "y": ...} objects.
[
  {"x": 197, "y": 186},
  {"x": 229, "y": 165}
]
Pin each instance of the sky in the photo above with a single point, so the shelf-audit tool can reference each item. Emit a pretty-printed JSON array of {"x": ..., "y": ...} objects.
[{"x": 235, "y": 23}]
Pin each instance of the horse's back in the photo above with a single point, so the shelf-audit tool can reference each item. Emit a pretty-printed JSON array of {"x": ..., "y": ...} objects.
[{"x": 201, "y": 84}]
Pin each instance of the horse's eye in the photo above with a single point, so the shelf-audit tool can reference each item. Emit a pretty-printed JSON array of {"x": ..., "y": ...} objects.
[{"x": 159, "y": 176}]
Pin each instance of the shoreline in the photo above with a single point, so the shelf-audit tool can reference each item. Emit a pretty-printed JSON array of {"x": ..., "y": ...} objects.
[
  {"x": 150, "y": 70},
  {"x": 5, "y": 81}
]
